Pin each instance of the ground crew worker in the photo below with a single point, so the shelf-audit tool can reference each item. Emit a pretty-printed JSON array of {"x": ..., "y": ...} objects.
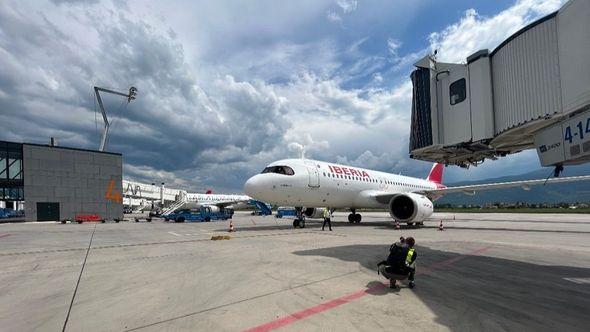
[
  {"x": 327, "y": 218},
  {"x": 410, "y": 263},
  {"x": 400, "y": 262}
]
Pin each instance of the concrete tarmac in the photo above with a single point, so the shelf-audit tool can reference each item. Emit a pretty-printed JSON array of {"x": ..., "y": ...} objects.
[{"x": 490, "y": 272}]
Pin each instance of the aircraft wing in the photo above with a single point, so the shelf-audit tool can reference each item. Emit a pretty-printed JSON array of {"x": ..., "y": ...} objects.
[
  {"x": 385, "y": 197},
  {"x": 526, "y": 184}
]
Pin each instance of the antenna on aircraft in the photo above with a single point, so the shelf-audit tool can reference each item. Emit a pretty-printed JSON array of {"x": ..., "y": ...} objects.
[{"x": 130, "y": 97}]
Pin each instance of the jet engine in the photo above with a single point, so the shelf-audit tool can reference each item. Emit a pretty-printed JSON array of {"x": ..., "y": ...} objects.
[
  {"x": 314, "y": 212},
  {"x": 410, "y": 207},
  {"x": 214, "y": 208}
]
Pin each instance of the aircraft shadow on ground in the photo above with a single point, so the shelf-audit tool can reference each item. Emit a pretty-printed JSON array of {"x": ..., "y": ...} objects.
[
  {"x": 285, "y": 224},
  {"x": 484, "y": 293}
]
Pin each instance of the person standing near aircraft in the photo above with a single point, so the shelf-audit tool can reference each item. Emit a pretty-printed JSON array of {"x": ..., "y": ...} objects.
[{"x": 327, "y": 218}]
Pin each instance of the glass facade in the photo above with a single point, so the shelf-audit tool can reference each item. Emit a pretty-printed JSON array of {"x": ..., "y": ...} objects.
[{"x": 11, "y": 171}]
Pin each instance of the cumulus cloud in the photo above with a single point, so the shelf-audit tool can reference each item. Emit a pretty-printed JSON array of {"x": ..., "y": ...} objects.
[
  {"x": 347, "y": 6},
  {"x": 392, "y": 46},
  {"x": 344, "y": 7},
  {"x": 333, "y": 16},
  {"x": 474, "y": 32},
  {"x": 221, "y": 96}
]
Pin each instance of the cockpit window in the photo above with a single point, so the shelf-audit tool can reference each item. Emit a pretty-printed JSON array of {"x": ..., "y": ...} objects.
[{"x": 286, "y": 170}]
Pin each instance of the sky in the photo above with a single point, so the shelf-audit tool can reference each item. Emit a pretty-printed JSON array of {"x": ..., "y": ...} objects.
[{"x": 226, "y": 87}]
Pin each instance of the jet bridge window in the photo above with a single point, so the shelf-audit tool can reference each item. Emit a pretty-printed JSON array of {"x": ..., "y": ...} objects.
[
  {"x": 457, "y": 91},
  {"x": 286, "y": 170}
]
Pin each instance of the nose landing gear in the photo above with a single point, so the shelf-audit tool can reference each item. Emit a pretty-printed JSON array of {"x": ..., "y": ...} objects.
[
  {"x": 354, "y": 217},
  {"x": 299, "y": 219},
  {"x": 299, "y": 223}
]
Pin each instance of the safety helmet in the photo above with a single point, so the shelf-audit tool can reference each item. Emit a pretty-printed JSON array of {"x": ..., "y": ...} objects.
[{"x": 410, "y": 241}]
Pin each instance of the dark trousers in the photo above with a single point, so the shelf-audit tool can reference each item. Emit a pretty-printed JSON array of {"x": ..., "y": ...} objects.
[
  {"x": 410, "y": 272},
  {"x": 327, "y": 221}
]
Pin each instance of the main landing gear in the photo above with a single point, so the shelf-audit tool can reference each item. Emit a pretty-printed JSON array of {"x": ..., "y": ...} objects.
[
  {"x": 299, "y": 221},
  {"x": 354, "y": 217}
]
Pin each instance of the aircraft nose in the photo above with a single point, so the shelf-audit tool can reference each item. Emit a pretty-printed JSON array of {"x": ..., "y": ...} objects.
[{"x": 253, "y": 186}]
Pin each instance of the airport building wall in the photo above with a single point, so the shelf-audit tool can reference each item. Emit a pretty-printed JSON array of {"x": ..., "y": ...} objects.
[{"x": 60, "y": 183}]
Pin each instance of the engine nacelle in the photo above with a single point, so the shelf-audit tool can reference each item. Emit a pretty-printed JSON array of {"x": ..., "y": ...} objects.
[
  {"x": 410, "y": 207},
  {"x": 214, "y": 208},
  {"x": 314, "y": 212}
]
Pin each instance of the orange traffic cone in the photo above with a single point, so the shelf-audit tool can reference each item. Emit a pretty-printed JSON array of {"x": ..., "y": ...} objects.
[
  {"x": 440, "y": 226},
  {"x": 397, "y": 226},
  {"x": 231, "y": 226}
]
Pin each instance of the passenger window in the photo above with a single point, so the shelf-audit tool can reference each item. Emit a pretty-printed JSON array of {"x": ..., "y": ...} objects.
[{"x": 457, "y": 91}]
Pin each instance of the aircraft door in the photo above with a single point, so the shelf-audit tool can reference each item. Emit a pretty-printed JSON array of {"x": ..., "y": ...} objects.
[
  {"x": 314, "y": 174},
  {"x": 454, "y": 100}
]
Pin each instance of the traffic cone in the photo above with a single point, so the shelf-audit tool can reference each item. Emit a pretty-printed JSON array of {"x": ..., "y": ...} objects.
[
  {"x": 440, "y": 226},
  {"x": 397, "y": 226},
  {"x": 231, "y": 226}
]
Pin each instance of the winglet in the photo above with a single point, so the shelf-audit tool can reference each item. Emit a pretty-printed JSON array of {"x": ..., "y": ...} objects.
[{"x": 436, "y": 173}]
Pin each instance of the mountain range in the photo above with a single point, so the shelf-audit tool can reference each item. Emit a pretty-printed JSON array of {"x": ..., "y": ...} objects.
[{"x": 552, "y": 193}]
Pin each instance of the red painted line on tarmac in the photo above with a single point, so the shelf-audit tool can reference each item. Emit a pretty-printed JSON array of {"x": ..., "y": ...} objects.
[
  {"x": 292, "y": 318},
  {"x": 4, "y": 235},
  {"x": 253, "y": 221}
]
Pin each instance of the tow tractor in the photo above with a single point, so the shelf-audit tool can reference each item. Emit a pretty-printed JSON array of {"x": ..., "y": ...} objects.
[{"x": 201, "y": 214}]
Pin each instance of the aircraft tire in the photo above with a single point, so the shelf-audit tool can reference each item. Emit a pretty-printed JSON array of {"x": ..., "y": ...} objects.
[
  {"x": 351, "y": 218},
  {"x": 295, "y": 223},
  {"x": 358, "y": 218}
]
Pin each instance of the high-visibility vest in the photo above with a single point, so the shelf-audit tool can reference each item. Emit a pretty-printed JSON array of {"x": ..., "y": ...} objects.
[
  {"x": 409, "y": 256},
  {"x": 326, "y": 213}
]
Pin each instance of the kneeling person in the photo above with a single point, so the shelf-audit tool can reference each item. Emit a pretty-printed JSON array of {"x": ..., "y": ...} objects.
[{"x": 400, "y": 263}]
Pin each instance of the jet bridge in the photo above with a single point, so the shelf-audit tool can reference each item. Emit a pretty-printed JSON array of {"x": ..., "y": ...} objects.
[
  {"x": 137, "y": 194},
  {"x": 531, "y": 92}
]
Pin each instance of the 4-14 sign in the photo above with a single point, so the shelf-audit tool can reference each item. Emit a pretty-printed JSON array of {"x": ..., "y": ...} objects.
[{"x": 580, "y": 130}]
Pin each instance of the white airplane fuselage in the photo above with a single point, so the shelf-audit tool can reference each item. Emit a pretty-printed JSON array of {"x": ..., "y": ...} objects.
[
  {"x": 240, "y": 201},
  {"x": 321, "y": 184}
]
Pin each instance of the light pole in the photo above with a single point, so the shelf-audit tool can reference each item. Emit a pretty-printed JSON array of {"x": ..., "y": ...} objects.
[{"x": 130, "y": 96}]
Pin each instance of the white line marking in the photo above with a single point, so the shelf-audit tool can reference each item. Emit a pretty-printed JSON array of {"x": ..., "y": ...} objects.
[
  {"x": 174, "y": 234},
  {"x": 579, "y": 280}
]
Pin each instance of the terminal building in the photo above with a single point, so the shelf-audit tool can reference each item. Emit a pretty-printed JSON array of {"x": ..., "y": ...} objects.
[{"x": 58, "y": 183}]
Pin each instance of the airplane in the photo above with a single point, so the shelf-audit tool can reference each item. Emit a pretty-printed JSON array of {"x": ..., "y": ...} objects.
[
  {"x": 217, "y": 202},
  {"x": 309, "y": 184},
  {"x": 229, "y": 201}
]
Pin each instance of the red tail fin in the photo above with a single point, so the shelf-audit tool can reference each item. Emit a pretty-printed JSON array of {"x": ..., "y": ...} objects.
[
  {"x": 209, "y": 192},
  {"x": 436, "y": 173}
]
